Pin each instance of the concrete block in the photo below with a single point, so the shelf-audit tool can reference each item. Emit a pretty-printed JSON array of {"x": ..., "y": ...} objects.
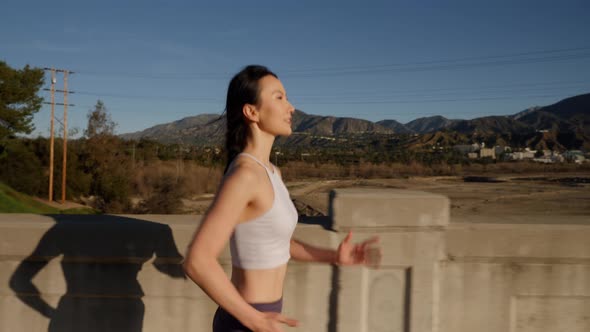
[
  {"x": 375, "y": 208},
  {"x": 403, "y": 294}
]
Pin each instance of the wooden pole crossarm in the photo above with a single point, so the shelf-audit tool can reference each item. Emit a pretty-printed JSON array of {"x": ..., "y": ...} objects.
[{"x": 59, "y": 104}]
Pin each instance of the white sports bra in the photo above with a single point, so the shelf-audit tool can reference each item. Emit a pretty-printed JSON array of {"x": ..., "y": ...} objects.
[{"x": 264, "y": 242}]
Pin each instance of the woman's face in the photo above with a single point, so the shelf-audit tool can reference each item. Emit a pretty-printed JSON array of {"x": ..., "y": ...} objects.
[{"x": 275, "y": 110}]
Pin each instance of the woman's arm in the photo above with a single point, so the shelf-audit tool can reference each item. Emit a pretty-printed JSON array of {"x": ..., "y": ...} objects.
[
  {"x": 348, "y": 253},
  {"x": 201, "y": 263},
  {"x": 304, "y": 252}
]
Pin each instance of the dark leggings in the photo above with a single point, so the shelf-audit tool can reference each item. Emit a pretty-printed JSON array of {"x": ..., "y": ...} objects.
[{"x": 223, "y": 321}]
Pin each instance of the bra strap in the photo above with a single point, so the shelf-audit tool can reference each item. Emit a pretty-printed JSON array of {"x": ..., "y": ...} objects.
[{"x": 258, "y": 161}]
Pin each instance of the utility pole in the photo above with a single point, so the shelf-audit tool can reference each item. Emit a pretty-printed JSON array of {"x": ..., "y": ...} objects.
[
  {"x": 50, "y": 198},
  {"x": 65, "y": 127},
  {"x": 63, "y": 173}
]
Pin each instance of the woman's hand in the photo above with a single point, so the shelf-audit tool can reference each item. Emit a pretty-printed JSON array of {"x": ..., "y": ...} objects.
[
  {"x": 366, "y": 253},
  {"x": 273, "y": 321}
]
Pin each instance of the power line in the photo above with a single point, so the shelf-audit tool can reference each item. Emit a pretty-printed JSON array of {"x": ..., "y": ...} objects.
[
  {"x": 435, "y": 95},
  {"x": 429, "y": 94},
  {"x": 381, "y": 66},
  {"x": 431, "y": 100},
  {"x": 417, "y": 68},
  {"x": 532, "y": 87},
  {"x": 530, "y": 57},
  {"x": 411, "y": 101},
  {"x": 468, "y": 88},
  {"x": 149, "y": 97},
  {"x": 547, "y": 55}
]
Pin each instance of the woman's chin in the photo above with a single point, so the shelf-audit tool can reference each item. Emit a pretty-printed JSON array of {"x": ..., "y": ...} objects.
[{"x": 285, "y": 133}]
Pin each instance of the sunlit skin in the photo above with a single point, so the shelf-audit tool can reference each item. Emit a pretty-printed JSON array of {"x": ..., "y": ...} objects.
[{"x": 246, "y": 193}]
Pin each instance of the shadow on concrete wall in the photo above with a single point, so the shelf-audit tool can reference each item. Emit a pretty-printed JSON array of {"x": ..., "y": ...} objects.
[{"x": 102, "y": 256}]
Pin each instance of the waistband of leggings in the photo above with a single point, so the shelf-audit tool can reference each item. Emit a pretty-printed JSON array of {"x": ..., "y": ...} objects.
[{"x": 276, "y": 306}]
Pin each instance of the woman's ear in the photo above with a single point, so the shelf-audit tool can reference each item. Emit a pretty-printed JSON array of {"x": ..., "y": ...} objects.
[{"x": 250, "y": 112}]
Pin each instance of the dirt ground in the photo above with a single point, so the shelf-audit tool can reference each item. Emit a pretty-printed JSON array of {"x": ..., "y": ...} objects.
[
  {"x": 56, "y": 203},
  {"x": 532, "y": 198}
]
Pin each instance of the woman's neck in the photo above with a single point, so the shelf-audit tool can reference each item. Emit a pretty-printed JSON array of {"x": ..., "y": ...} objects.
[{"x": 260, "y": 146}]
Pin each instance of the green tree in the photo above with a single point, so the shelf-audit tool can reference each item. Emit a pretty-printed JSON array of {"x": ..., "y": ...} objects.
[
  {"x": 106, "y": 162},
  {"x": 100, "y": 123},
  {"x": 18, "y": 99},
  {"x": 101, "y": 143},
  {"x": 22, "y": 170}
]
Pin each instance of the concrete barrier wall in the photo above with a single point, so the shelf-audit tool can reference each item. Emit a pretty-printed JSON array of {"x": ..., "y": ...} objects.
[
  {"x": 122, "y": 273},
  {"x": 506, "y": 277}
]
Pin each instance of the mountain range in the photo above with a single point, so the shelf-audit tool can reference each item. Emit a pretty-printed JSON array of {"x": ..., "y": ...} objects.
[{"x": 563, "y": 125}]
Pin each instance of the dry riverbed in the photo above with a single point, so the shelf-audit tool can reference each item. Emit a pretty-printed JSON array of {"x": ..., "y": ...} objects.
[{"x": 531, "y": 198}]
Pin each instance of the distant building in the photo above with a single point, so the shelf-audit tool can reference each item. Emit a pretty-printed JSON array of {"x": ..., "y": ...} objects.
[
  {"x": 521, "y": 155},
  {"x": 487, "y": 153},
  {"x": 544, "y": 160},
  {"x": 553, "y": 156},
  {"x": 472, "y": 155}
]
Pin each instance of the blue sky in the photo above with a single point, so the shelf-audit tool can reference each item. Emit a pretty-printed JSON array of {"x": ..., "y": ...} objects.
[{"x": 153, "y": 62}]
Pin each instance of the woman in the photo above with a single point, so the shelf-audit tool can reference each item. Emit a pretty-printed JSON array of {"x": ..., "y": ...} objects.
[{"x": 253, "y": 211}]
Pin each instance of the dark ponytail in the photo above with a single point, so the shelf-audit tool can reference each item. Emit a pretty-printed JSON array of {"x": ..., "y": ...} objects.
[{"x": 243, "y": 89}]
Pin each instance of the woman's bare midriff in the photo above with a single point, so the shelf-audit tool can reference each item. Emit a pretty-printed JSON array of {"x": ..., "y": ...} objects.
[{"x": 259, "y": 286}]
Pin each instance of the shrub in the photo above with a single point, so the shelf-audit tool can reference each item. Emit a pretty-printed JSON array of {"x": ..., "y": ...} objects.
[{"x": 21, "y": 169}]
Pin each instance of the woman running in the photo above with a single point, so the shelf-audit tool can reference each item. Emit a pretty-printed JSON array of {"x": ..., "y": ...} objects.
[{"x": 253, "y": 211}]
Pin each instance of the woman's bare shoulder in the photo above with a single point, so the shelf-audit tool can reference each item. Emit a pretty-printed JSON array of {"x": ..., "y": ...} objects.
[
  {"x": 243, "y": 166},
  {"x": 237, "y": 189},
  {"x": 243, "y": 173}
]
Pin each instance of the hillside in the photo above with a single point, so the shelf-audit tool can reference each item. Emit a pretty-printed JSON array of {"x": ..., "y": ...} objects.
[
  {"x": 199, "y": 129},
  {"x": 570, "y": 114},
  {"x": 395, "y": 126},
  {"x": 562, "y": 125},
  {"x": 429, "y": 124}
]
